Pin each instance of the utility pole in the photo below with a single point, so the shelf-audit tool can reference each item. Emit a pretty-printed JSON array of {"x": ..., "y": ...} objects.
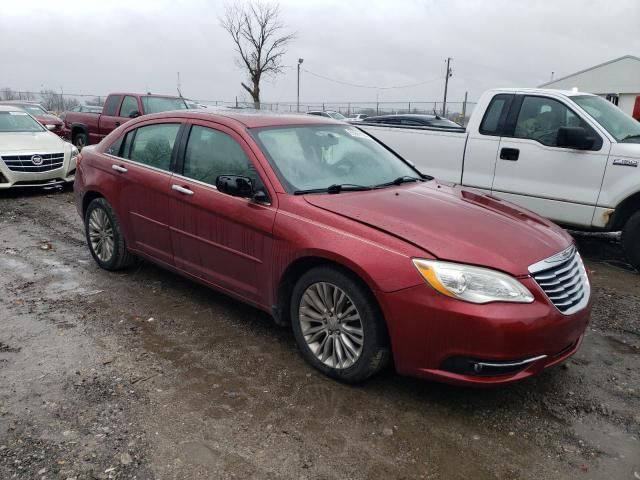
[
  {"x": 446, "y": 85},
  {"x": 300, "y": 60}
]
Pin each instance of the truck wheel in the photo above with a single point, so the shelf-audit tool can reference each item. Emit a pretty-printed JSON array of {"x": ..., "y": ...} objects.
[
  {"x": 631, "y": 240},
  {"x": 80, "y": 140},
  {"x": 338, "y": 325},
  {"x": 104, "y": 236}
]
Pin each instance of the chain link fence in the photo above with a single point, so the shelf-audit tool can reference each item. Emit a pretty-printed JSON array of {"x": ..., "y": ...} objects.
[{"x": 458, "y": 111}]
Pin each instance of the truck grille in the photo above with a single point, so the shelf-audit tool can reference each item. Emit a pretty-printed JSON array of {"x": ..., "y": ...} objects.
[
  {"x": 31, "y": 163},
  {"x": 564, "y": 279}
]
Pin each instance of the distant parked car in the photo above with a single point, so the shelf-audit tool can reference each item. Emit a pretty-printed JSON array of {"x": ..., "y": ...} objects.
[
  {"x": 87, "y": 109},
  {"x": 358, "y": 117},
  {"x": 31, "y": 155},
  {"x": 48, "y": 119},
  {"x": 315, "y": 222},
  {"x": 328, "y": 114},
  {"x": 414, "y": 120}
]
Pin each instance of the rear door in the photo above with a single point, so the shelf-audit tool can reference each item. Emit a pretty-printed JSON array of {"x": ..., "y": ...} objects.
[
  {"x": 559, "y": 183},
  {"x": 224, "y": 240},
  {"x": 144, "y": 166}
]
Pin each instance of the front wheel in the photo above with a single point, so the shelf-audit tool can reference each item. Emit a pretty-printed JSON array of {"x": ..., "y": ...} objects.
[
  {"x": 631, "y": 240},
  {"x": 104, "y": 236},
  {"x": 338, "y": 325}
]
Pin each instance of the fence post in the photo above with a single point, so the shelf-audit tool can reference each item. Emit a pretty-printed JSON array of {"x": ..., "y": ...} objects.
[
  {"x": 377, "y": 108},
  {"x": 409, "y": 108}
]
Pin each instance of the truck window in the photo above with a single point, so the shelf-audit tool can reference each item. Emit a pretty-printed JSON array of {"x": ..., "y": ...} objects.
[
  {"x": 129, "y": 105},
  {"x": 541, "y": 117},
  {"x": 495, "y": 114},
  {"x": 111, "y": 105}
]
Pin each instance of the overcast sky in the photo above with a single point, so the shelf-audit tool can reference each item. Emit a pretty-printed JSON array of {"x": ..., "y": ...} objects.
[{"x": 96, "y": 47}]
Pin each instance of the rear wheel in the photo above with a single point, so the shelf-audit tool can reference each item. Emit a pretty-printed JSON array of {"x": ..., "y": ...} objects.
[
  {"x": 631, "y": 240},
  {"x": 104, "y": 236},
  {"x": 80, "y": 140},
  {"x": 338, "y": 326}
]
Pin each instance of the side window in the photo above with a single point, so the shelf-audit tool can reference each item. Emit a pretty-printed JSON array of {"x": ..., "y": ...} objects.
[
  {"x": 211, "y": 153},
  {"x": 111, "y": 105},
  {"x": 129, "y": 105},
  {"x": 540, "y": 118},
  {"x": 497, "y": 110},
  {"x": 411, "y": 123},
  {"x": 152, "y": 144},
  {"x": 114, "y": 148}
]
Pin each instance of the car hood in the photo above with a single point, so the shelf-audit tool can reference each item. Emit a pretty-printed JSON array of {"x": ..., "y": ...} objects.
[
  {"x": 32, "y": 142},
  {"x": 453, "y": 223}
]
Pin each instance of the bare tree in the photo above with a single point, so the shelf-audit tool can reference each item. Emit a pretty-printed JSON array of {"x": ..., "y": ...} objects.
[
  {"x": 260, "y": 41},
  {"x": 7, "y": 94}
]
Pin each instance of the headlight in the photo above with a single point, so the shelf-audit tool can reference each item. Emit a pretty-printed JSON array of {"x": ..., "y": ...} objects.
[
  {"x": 472, "y": 284},
  {"x": 74, "y": 152}
]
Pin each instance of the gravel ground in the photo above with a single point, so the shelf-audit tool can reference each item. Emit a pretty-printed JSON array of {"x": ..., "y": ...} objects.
[{"x": 146, "y": 375}]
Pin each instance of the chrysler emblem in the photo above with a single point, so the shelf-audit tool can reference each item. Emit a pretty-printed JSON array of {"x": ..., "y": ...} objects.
[{"x": 36, "y": 160}]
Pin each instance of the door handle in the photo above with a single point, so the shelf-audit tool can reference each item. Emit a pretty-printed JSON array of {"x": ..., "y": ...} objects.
[
  {"x": 117, "y": 124},
  {"x": 509, "y": 154},
  {"x": 119, "y": 169},
  {"x": 180, "y": 189}
]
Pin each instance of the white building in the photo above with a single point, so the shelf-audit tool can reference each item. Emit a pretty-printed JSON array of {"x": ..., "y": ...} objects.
[{"x": 618, "y": 80}]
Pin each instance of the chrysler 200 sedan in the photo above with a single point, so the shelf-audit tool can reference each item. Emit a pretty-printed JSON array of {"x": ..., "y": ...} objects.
[{"x": 332, "y": 233}]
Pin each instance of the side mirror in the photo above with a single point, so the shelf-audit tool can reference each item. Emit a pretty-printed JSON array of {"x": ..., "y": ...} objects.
[
  {"x": 235, "y": 185},
  {"x": 574, "y": 137},
  {"x": 134, "y": 114}
]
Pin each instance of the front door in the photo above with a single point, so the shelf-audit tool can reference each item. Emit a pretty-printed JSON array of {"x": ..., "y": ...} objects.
[
  {"x": 559, "y": 183},
  {"x": 223, "y": 240}
]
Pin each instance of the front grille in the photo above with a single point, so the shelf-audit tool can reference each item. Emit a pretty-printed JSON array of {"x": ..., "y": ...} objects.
[
  {"x": 25, "y": 163},
  {"x": 564, "y": 279}
]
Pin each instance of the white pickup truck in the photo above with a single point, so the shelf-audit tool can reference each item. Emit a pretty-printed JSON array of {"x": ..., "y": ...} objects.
[{"x": 569, "y": 156}]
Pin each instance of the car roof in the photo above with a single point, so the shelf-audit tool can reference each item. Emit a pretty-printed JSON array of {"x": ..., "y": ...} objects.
[
  {"x": 247, "y": 118},
  {"x": 9, "y": 108},
  {"x": 566, "y": 93},
  {"x": 146, "y": 95}
]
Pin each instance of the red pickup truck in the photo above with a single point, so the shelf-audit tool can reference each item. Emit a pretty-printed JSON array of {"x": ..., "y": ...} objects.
[{"x": 83, "y": 128}]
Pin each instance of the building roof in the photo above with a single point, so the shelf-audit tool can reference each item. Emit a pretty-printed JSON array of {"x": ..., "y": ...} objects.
[{"x": 604, "y": 77}]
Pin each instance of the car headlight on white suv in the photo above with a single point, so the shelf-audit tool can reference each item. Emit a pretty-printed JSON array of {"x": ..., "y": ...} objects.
[{"x": 472, "y": 284}]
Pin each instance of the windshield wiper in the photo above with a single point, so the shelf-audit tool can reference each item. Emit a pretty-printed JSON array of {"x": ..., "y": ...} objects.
[
  {"x": 401, "y": 180},
  {"x": 629, "y": 137},
  {"x": 335, "y": 188}
]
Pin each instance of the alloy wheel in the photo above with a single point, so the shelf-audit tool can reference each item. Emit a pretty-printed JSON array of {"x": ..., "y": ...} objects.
[
  {"x": 331, "y": 325},
  {"x": 101, "y": 234}
]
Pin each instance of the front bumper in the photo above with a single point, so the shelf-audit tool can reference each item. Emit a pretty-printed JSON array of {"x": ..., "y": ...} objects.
[
  {"x": 50, "y": 178},
  {"x": 440, "y": 338}
]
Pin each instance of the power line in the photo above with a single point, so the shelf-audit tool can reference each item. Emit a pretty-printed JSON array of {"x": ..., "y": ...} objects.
[{"x": 368, "y": 86}]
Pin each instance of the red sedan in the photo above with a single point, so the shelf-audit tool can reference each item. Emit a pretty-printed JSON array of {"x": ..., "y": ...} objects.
[{"x": 332, "y": 233}]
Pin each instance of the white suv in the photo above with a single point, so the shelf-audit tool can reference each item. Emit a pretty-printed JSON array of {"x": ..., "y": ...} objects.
[{"x": 31, "y": 155}]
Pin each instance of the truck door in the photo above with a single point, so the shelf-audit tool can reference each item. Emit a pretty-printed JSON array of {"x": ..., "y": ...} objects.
[
  {"x": 559, "y": 183},
  {"x": 481, "y": 150},
  {"x": 109, "y": 117}
]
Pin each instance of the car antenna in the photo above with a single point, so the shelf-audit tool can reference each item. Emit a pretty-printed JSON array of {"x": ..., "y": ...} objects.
[{"x": 436, "y": 115}]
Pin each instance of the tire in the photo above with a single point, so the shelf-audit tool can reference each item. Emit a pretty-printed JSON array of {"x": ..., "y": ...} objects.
[
  {"x": 104, "y": 236},
  {"x": 80, "y": 140},
  {"x": 631, "y": 240},
  {"x": 317, "y": 332}
]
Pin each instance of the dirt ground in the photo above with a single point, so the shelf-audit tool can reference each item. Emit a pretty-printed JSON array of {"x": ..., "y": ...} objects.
[{"x": 146, "y": 375}]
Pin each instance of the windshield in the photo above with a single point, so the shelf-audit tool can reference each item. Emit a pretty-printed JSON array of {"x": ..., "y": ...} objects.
[
  {"x": 316, "y": 157},
  {"x": 18, "y": 122},
  {"x": 162, "y": 104},
  {"x": 620, "y": 125},
  {"x": 337, "y": 116},
  {"x": 33, "y": 109}
]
